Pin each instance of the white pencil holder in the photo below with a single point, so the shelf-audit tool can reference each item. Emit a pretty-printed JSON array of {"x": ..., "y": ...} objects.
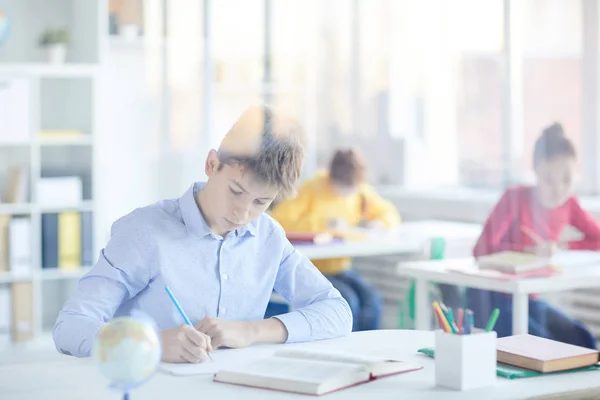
[{"x": 464, "y": 362}]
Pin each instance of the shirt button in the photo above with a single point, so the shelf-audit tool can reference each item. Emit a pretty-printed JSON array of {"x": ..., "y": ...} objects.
[
  {"x": 223, "y": 310},
  {"x": 225, "y": 277}
]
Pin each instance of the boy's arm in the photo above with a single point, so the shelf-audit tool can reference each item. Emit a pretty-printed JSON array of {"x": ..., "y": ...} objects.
[
  {"x": 120, "y": 273},
  {"x": 587, "y": 225},
  {"x": 379, "y": 209},
  {"x": 296, "y": 215},
  {"x": 492, "y": 238},
  {"x": 319, "y": 311}
]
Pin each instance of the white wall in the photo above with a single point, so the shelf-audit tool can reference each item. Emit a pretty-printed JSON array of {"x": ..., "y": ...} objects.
[
  {"x": 137, "y": 164},
  {"x": 128, "y": 116}
]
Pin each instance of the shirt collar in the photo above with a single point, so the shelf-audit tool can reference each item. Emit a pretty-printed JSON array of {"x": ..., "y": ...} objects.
[{"x": 195, "y": 222}]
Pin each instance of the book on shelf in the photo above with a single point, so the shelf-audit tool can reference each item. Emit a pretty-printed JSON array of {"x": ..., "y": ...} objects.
[
  {"x": 543, "y": 355},
  {"x": 19, "y": 245},
  {"x": 15, "y": 188},
  {"x": 50, "y": 240},
  {"x": 4, "y": 242},
  {"x": 67, "y": 239},
  {"x": 60, "y": 191},
  {"x": 5, "y": 315},
  {"x": 311, "y": 372},
  {"x": 22, "y": 311},
  {"x": 87, "y": 242},
  {"x": 15, "y": 110}
]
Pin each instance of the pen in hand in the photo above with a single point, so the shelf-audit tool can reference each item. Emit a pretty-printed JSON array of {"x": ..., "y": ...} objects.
[{"x": 182, "y": 313}]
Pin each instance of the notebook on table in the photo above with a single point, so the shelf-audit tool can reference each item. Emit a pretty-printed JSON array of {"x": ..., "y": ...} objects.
[
  {"x": 543, "y": 355},
  {"x": 512, "y": 372},
  {"x": 309, "y": 237},
  {"x": 512, "y": 262},
  {"x": 311, "y": 372}
]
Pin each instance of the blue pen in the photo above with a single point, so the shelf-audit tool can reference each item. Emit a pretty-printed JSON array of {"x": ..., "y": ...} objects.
[
  {"x": 468, "y": 322},
  {"x": 183, "y": 315}
]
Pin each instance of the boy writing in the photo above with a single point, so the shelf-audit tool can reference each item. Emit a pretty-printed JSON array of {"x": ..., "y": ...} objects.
[
  {"x": 218, "y": 252},
  {"x": 336, "y": 200}
]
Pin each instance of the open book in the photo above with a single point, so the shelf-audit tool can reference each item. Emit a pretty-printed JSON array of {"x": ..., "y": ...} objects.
[{"x": 311, "y": 372}]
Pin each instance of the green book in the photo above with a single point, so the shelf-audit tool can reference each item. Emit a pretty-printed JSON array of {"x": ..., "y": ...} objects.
[{"x": 511, "y": 372}]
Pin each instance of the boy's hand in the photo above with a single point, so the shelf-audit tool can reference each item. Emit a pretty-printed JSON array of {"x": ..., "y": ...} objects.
[
  {"x": 545, "y": 249},
  {"x": 185, "y": 344},
  {"x": 225, "y": 333}
]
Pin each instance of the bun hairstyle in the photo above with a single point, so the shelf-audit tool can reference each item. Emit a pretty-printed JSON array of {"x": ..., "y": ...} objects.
[
  {"x": 552, "y": 143},
  {"x": 348, "y": 167}
]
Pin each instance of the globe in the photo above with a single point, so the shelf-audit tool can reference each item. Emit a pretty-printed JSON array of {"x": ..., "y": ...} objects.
[
  {"x": 127, "y": 351},
  {"x": 4, "y": 27}
]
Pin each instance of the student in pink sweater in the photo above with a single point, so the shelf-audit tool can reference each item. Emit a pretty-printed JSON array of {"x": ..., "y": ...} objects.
[{"x": 531, "y": 219}]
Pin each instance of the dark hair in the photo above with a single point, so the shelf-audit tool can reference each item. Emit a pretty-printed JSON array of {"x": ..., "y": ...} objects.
[
  {"x": 552, "y": 143},
  {"x": 348, "y": 167},
  {"x": 269, "y": 145}
]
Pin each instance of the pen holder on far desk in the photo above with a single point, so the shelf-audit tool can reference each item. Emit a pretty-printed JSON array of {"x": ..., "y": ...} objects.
[{"x": 465, "y": 362}]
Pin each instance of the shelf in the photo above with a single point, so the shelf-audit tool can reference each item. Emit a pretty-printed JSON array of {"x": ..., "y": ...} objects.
[
  {"x": 87, "y": 205},
  {"x": 16, "y": 208},
  {"x": 79, "y": 140},
  {"x": 23, "y": 143},
  {"x": 53, "y": 274},
  {"x": 9, "y": 277},
  {"x": 50, "y": 274},
  {"x": 49, "y": 70}
]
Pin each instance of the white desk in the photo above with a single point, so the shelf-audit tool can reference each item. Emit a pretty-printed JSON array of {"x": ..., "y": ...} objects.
[
  {"x": 437, "y": 271},
  {"x": 411, "y": 238},
  {"x": 381, "y": 245},
  {"x": 45, "y": 375}
]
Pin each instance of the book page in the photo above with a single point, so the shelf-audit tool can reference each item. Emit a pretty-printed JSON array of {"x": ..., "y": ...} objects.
[
  {"x": 331, "y": 356},
  {"x": 299, "y": 370}
]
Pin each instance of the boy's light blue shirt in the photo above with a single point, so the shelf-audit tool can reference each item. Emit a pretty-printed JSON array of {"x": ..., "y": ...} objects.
[{"x": 169, "y": 243}]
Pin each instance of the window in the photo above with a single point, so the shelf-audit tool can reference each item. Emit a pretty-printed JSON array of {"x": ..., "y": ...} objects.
[
  {"x": 429, "y": 91},
  {"x": 478, "y": 62},
  {"x": 552, "y": 72},
  {"x": 237, "y": 34}
]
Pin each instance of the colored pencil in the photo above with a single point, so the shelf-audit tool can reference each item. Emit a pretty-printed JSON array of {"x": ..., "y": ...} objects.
[{"x": 181, "y": 312}]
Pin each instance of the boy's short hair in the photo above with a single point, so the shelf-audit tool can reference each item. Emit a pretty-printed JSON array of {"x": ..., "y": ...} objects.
[
  {"x": 553, "y": 143},
  {"x": 348, "y": 167},
  {"x": 268, "y": 144}
]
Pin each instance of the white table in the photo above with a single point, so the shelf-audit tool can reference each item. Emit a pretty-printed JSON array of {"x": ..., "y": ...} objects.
[
  {"x": 42, "y": 374},
  {"x": 437, "y": 271},
  {"x": 411, "y": 238}
]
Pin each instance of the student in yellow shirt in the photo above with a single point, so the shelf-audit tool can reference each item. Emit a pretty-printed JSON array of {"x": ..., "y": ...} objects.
[{"x": 335, "y": 200}]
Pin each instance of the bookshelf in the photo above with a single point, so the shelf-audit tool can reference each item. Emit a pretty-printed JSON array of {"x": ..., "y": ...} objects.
[{"x": 49, "y": 132}]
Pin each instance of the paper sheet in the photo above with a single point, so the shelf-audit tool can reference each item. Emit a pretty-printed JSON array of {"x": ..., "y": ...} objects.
[{"x": 222, "y": 358}]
